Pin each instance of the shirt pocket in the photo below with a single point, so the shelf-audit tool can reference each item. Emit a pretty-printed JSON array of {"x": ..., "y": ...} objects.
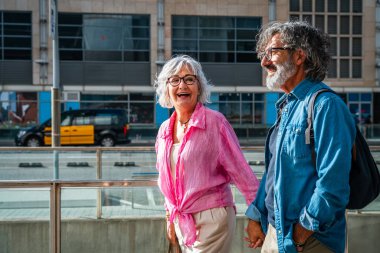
[{"x": 294, "y": 144}]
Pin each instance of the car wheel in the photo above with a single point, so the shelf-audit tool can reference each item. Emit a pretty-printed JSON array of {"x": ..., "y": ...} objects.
[
  {"x": 33, "y": 141},
  {"x": 107, "y": 141}
]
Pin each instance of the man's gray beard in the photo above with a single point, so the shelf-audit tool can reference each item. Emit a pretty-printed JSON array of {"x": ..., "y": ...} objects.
[{"x": 283, "y": 73}]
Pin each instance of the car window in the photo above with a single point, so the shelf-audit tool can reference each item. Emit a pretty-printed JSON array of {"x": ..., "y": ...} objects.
[
  {"x": 106, "y": 119},
  {"x": 81, "y": 120},
  {"x": 65, "y": 121}
]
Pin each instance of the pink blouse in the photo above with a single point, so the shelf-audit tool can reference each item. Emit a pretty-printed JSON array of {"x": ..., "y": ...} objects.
[{"x": 209, "y": 159}]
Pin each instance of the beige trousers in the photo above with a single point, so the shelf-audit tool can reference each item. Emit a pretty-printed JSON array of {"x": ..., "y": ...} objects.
[
  {"x": 215, "y": 229},
  {"x": 312, "y": 245}
]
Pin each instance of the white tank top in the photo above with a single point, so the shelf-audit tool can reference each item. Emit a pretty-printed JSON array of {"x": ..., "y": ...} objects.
[{"x": 174, "y": 158}]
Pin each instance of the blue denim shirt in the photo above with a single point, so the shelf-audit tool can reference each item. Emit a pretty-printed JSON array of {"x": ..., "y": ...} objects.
[{"x": 314, "y": 197}]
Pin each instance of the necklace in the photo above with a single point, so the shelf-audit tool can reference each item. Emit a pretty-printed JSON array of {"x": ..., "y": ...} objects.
[{"x": 184, "y": 124}]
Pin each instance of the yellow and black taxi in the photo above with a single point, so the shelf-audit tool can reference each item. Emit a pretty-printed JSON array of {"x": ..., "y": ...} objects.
[{"x": 105, "y": 127}]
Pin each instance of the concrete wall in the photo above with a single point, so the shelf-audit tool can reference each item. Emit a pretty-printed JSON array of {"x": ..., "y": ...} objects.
[{"x": 144, "y": 235}]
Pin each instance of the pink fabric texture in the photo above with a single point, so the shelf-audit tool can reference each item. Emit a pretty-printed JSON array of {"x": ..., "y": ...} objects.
[{"x": 209, "y": 159}]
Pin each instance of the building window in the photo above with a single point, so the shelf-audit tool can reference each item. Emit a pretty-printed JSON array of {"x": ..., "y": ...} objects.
[
  {"x": 360, "y": 105},
  {"x": 343, "y": 21},
  {"x": 140, "y": 106},
  {"x": 101, "y": 37},
  {"x": 215, "y": 39},
  {"x": 242, "y": 109},
  {"x": 15, "y": 35}
]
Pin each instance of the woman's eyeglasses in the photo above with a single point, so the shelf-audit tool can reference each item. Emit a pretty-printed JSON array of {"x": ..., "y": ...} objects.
[{"x": 187, "y": 79}]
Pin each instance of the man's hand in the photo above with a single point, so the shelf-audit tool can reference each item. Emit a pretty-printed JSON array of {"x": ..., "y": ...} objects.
[
  {"x": 300, "y": 235},
  {"x": 171, "y": 233},
  {"x": 255, "y": 234}
]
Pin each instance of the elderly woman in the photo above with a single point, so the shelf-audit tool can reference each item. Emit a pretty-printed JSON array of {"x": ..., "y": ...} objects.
[{"x": 198, "y": 156}]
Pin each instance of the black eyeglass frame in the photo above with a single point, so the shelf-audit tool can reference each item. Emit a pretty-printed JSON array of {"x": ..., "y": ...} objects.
[
  {"x": 269, "y": 52},
  {"x": 183, "y": 79}
]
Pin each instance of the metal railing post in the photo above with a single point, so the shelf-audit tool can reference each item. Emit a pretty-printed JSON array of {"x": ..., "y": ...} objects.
[
  {"x": 99, "y": 176},
  {"x": 55, "y": 218}
]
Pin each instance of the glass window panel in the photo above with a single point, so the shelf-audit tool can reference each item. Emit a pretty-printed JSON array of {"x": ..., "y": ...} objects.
[
  {"x": 141, "y": 112},
  {"x": 140, "y": 32},
  {"x": 185, "y": 33},
  {"x": 226, "y": 34},
  {"x": 307, "y": 18},
  {"x": 356, "y": 68},
  {"x": 294, "y": 17},
  {"x": 307, "y": 5},
  {"x": 137, "y": 44},
  {"x": 332, "y": 6},
  {"x": 190, "y": 45},
  {"x": 69, "y": 55},
  {"x": 319, "y": 5},
  {"x": 231, "y": 110},
  {"x": 13, "y": 42},
  {"x": 18, "y": 54},
  {"x": 247, "y": 113},
  {"x": 344, "y": 25},
  {"x": 248, "y": 23},
  {"x": 259, "y": 113},
  {"x": 102, "y": 55},
  {"x": 356, "y": 47},
  {"x": 333, "y": 46},
  {"x": 70, "y": 43},
  {"x": 365, "y": 97},
  {"x": 142, "y": 96},
  {"x": 332, "y": 24},
  {"x": 70, "y": 18},
  {"x": 357, "y": 25},
  {"x": 259, "y": 96},
  {"x": 17, "y": 30},
  {"x": 332, "y": 72},
  {"x": 245, "y": 46},
  {"x": 184, "y": 21},
  {"x": 357, "y": 6},
  {"x": 136, "y": 56},
  {"x": 353, "y": 97},
  {"x": 140, "y": 20},
  {"x": 246, "y": 97},
  {"x": 344, "y": 47},
  {"x": 218, "y": 22},
  {"x": 229, "y": 97},
  {"x": 72, "y": 31},
  {"x": 320, "y": 22},
  {"x": 246, "y": 57},
  {"x": 17, "y": 17},
  {"x": 344, "y": 6},
  {"x": 344, "y": 68},
  {"x": 216, "y": 57},
  {"x": 245, "y": 34},
  {"x": 354, "y": 109},
  {"x": 294, "y": 5}
]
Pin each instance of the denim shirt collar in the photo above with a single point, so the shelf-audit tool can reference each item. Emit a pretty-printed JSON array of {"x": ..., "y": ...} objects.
[{"x": 299, "y": 92}]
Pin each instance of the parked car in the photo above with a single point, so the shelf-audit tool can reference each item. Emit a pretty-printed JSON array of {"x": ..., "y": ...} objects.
[{"x": 104, "y": 127}]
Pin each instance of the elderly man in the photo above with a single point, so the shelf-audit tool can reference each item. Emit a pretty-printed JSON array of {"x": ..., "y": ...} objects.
[{"x": 300, "y": 205}]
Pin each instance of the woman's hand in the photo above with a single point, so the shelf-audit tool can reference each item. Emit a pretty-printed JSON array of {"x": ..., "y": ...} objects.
[
  {"x": 171, "y": 233},
  {"x": 256, "y": 235}
]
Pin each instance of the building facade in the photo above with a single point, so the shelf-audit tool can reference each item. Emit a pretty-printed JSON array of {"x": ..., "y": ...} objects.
[{"x": 111, "y": 51}]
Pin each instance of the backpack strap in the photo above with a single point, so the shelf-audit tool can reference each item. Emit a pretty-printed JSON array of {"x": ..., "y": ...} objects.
[{"x": 309, "y": 132}]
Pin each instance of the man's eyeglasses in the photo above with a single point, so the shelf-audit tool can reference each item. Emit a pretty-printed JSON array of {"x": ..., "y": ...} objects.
[
  {"x": 187, "y": 79},
  {"x": 268, "y": 53}
]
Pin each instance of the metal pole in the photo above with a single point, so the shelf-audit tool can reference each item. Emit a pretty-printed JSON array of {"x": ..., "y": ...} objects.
[
  {"x": 55, "y": 90},
  {"x": 55, "y": 218}
]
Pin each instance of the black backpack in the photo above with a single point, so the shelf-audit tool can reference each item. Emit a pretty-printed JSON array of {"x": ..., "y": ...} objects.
[{"x": 364, "y": 175}]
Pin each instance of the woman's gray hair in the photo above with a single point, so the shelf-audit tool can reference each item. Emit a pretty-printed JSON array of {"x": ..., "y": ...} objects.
[
  {"x": 300, "y": 35},
  {"x": 173, "y": 67}
]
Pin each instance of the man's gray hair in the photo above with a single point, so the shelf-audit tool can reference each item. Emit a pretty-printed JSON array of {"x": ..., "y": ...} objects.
[
  {"x": 173, "y": 67},
  {"x": 300, "y": 35}
]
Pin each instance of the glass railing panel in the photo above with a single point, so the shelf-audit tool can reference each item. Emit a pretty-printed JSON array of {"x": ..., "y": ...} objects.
[
  {"x": 129, "y": 165},
  {"x": 77, "y": 165},
  {"x": 25, "y": 165}
]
